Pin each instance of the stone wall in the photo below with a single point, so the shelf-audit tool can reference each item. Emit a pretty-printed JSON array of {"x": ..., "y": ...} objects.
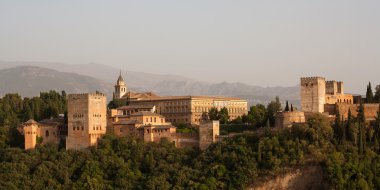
[
  {"x": 370, "y": 110},
  {"x": 287, "y": 119}
]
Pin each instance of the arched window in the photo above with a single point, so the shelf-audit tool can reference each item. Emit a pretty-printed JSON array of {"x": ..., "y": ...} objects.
[{"x": 46, "y": 133}]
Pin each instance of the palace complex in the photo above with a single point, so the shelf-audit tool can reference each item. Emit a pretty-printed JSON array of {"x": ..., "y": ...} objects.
[
  {"x": 328, "y": 98},
  {"x": 147, "y": 116},
  {"x": 180, "y": 109}
]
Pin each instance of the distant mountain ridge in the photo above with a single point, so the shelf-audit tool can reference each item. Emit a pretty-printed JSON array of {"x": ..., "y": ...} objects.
[
  {"x": 90, "y": 77},
  {"x": 29, "y": 81}
]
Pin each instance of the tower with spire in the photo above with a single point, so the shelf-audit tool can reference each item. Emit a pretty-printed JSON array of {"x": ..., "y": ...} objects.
[{"x": 120, "y": 88}]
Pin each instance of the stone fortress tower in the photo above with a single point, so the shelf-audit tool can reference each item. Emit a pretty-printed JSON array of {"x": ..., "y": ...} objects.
[
  {"x": 208, "y": 134},
  {"x": 87, "y": 119},
  {"x": 313, "y": 94},
  {"x": 120, "y": 88}
]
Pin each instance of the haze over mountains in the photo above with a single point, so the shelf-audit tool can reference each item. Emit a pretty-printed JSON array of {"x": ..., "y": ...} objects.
[{"x": 29, "y": 78}]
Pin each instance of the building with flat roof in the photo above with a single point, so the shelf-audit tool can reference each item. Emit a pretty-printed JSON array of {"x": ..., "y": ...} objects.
[{"x": 182, "y": 109}]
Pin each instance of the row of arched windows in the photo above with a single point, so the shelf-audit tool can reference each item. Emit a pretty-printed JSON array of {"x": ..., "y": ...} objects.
[
  {"x": 78, "y": 128},
  {"x": 78, "y": 115},
  {"x": 345, "y": 101}
]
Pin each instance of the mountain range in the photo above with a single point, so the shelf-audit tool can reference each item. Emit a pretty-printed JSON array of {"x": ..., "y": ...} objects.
[{"x": 30, "y": 78}]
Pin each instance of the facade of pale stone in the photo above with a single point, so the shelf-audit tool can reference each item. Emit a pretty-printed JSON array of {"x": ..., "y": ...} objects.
[
  {"x": 153, "y": 127},
  {"x": 192, "y": 109},
  {"x": 313, "y": 94},
  {"x": 183, "y": 109},
  {"x": 87, "y": 119},
  {"x": 288, "y": 119}
]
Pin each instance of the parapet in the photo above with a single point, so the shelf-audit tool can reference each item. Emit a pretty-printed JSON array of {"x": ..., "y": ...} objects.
[
  {"x": 331, "y": 82},
  {"x": 313, "y": 80},
  {"x": 87, "y": 95}
]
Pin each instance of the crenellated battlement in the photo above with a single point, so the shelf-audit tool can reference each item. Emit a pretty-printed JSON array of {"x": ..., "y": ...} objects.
[
  {"x": 313, "y": 80},
  {"x": 85, "y": 95}
]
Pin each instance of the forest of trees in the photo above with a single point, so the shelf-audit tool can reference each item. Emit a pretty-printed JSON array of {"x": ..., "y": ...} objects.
[
  {"x": 348, "y": 150},
  {"x": 14, "y": 110},
  {"x": 257, "y": 116}
]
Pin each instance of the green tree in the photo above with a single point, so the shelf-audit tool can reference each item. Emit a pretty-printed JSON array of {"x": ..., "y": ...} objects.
[
  {"x": 287, "y": 107},
  {"x": 361, "y": 122},
  {"x": 223, "y": 116},
  {"x": 116, "y": 103},
  {"x": 377, "y": 94},
  {"x": 272, "y": 109},
  {"x": 257, "y": 115},
  {"x": 213, "y": 114},
  {"x": 268, "y": 129},
  {"x": 369, "y": 94},
  {"x": 337, "y": 126}
]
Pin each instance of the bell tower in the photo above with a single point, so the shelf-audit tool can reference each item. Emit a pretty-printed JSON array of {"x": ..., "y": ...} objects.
[{"x": 120, "y": 88}]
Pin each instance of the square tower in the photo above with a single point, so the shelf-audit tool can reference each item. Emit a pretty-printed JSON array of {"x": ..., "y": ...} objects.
[
  {"x": 87, "y": 119},
  {"x": 208, "y": 134},
  {"x": 313, "y": 94}
]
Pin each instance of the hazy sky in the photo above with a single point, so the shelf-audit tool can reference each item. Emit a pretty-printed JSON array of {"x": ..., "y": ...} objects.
[{"x": 265, "y": 42}]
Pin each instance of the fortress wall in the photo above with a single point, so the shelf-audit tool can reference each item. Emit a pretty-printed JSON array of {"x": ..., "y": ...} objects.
[
  {"x": 370, "y": 110},
  {"x": 287, "y": 119}
]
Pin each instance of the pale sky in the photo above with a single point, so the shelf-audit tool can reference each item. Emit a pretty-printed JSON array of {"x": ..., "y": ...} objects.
[{"x": 266, "y": 43}]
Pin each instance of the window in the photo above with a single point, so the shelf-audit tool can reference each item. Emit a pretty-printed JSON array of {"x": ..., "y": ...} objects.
[
  {"x": 73, "y": 128},
  {"x": 82, "y": 128},
  {"x": 46, "y": 133}
]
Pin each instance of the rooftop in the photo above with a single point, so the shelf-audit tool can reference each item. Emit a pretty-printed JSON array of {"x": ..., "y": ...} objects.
[
  {"x": 189, "y": 98},
  {"x": 135, "y": 107},
  {"x": 129, "y": 122},
  {"x": 146, "y": 113}
]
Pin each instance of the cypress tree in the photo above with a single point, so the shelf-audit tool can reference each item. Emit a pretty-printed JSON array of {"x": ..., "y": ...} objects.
[
  {"x": 377, "y": 124},
  {"x": 259, "y": 154},
  {"x": 361, "y": 145},
  {"x": 287, "y": 106},
  {"x": 369, "y": 94},
  {"x": 291, "y": 108},
  {"x": 348, "y": 126},
  {"x": 267, "y": 129},
  {"x": 344, "y": 132},
  {"x": 361, "y": 120},
  {"x": 337, "y": 126}
]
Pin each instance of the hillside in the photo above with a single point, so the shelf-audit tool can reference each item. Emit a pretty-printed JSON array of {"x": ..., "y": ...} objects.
[
  {"x": 30, "y": 81},
  {"x": 166, "y": 85}
]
